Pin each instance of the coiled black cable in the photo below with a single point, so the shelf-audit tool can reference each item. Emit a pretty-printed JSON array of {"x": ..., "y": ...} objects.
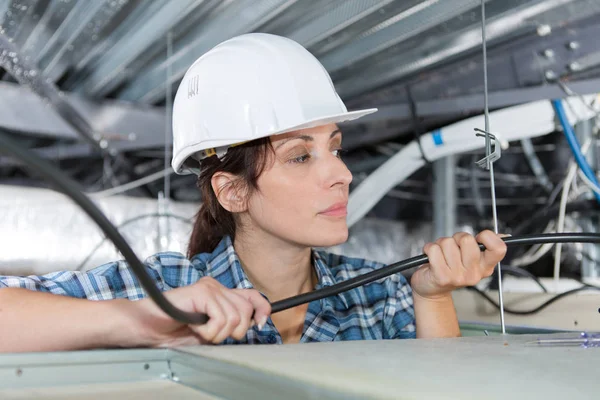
[{"x": 71, "y": 189}]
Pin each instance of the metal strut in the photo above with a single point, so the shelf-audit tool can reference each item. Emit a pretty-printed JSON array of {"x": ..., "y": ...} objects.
[{"x": 490, "y": 156}]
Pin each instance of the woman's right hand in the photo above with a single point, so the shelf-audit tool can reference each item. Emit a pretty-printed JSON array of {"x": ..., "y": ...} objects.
[{"x": 230, "y": 313}]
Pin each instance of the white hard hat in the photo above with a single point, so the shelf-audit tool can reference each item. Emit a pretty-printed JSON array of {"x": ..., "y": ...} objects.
[{"x": 249, "y": 87}]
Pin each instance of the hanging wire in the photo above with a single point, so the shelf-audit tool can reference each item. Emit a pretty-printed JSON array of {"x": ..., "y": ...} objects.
[
  {"x": 488, "y": 151},
  {"x": 169, "y": 110}
]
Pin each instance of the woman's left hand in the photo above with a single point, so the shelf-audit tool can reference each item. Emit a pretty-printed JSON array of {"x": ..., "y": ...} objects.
[{"x": 456, "y": 262}]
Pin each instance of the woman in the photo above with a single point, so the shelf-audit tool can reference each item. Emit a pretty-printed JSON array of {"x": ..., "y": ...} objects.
[{"x": 256, "y": 117}]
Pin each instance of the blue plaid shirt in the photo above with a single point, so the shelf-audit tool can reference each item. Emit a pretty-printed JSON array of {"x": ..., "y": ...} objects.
[{"x": 379, "y": 310}]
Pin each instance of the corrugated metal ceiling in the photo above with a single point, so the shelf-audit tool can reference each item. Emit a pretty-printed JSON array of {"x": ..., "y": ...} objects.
[
  {"x": 380, "y": 53},
  {"x": 116, "y": 48}
]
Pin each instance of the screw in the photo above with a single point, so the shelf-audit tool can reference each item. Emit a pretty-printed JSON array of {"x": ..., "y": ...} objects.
[
  {"x": 575, "y": 66},
  {"x": 146, "y": 366},
  {"x": 572, "y": 45},
  {"x": 103, "y": 143},
  {"x": 544, "y": 30},
  {"x": 550, "y": 75},
  {"x": 548, "y": 53},
  {"x": 19, "y": 372}
]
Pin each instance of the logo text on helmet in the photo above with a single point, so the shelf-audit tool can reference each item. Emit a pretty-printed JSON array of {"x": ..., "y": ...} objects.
[{"x": 193, "y": 86}]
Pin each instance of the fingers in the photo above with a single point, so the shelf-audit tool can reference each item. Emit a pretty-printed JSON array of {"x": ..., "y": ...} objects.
[
  {"x": 244, "y": 309},
  {"x": 230, "y": 311},
  {"x": 233, "y": 319},
  {"x": 495, "y": 250},
  {"x": 451, "y": 252},
  {"x": 441, "y": 272},
  {"x": 216, "y": 319},
  {"x": 260, "y": 306}
]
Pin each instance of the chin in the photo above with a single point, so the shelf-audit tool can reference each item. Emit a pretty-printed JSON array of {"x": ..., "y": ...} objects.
[{"x": 330, "y": 237}]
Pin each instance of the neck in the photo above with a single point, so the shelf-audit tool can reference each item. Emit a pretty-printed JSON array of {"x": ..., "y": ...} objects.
[{"x": 277, "y": 268}]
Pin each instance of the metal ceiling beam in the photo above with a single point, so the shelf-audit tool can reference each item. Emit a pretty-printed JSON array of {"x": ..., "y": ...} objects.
[
  {"x": 58, "y": 60},
  {"x": 122, "y": 125},
  {"x": 506, "y": 21},
  {"x": 26, "y": 73},
  {"x": 80, "y": 15},
  {"x": 336, "y": 19},
  {"x": 159, "y": 18},
  {"x": 51, "y": 18},
  {"x": 463, "y": 105},
  {"x": 4, "y": 4},
  {"x": 18, "y": 18},
  {"x": 133, "y": 128},
  {"x": 400, "y": 27},
  {"x": 231, "y": 19}
]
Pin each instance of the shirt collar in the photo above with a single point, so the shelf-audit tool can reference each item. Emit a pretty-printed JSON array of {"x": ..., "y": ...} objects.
[
  {"x": 326, "y": 278},
  {"x": 239, "y": 279}
]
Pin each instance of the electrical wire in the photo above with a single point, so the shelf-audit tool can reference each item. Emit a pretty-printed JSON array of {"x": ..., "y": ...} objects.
[
  {"x": 587, "y": 182},
  {"x": 574, "y": 144},
  {"x": 71, "y": 189},
  {"x": 516, "y": 271},
  {"x": 132, "y": 185},
  {"x": 419, "y": 260},
  {"x": 563, "y": 204},
  {"x": 538, "y": 308}
]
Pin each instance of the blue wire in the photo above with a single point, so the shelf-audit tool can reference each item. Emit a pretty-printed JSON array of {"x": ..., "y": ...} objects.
[{"x": 575, "y": 146}]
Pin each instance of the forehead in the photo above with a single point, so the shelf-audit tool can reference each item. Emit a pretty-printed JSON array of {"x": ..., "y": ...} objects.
[{"x": 318, "y": 131}]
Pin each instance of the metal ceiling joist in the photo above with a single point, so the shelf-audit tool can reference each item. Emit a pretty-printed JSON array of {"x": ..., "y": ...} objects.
[
  {"x": 462, "y": 105},
  {"x": 505, "y": 21},
  {"x": 52, "y": 16},
  {"x": 4, "y": 4},
  {"x": 122, "y": 125},
  {"x": 57, "y": 61},
  {"x": 400, "y": 27},
  {"x": 233, "y": 18},
  {"x": 336, "y": 19},
  {"x": 80, "y": 15},
  {"x": 158, "y": 19}
]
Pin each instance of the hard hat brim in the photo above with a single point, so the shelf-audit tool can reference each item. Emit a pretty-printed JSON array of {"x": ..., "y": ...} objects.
[{"x": 180, "y": 158}]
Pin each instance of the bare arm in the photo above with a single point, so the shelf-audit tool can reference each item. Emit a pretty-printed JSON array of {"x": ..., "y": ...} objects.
[
  {"x": 36, "y": 321},
  {"x": 435, "y": 318},
  {"x": 454, "y": 262}
]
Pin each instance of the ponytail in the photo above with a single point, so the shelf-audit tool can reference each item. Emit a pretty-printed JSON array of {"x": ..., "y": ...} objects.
[{"x": 213, "y": 222}]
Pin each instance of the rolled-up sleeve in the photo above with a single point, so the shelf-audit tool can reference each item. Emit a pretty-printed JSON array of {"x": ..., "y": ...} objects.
[{"x": 109, "y": 281}]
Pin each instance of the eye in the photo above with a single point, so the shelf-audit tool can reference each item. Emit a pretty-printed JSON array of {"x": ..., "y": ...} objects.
[
  {"x": 339, "y": 153},
  {"x": 300, "y": 159}
]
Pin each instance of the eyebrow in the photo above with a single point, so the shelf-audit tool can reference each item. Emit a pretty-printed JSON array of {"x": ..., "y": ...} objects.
[{"x": 306, "y": 138}]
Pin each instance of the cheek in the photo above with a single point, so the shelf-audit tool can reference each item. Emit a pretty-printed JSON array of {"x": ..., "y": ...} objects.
[{"x": 285, "y": 197}]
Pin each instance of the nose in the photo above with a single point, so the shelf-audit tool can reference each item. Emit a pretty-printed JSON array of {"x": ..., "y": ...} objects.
[{"x": 337, "y": 172}]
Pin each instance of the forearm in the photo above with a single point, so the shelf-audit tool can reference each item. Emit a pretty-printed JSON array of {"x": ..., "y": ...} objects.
[
  {"x": 34, "y": 321},
  {"x": 435, "y": 318}
]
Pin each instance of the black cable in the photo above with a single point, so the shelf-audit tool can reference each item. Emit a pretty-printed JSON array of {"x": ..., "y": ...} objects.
[
  {"x": 523, "y": 273},
  {"x": 422, "y": 259},
  {"x": 123, "y": 225},
  {"x": 538, "y": 308},
  {"x": 72, "y": 189},
  {"x": 416, "y": 124},
  {"x": 550, "y": 212}
]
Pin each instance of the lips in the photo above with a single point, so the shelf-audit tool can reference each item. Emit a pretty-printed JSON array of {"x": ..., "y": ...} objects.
[{"x": 336, "y": 210}]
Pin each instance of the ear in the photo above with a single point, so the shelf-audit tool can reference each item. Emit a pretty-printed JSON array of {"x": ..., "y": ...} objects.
[{"x": 229, "y": 191}]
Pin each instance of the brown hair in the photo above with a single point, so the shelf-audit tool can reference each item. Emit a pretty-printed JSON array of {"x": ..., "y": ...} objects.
[{"x": 213, "y": 222}]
